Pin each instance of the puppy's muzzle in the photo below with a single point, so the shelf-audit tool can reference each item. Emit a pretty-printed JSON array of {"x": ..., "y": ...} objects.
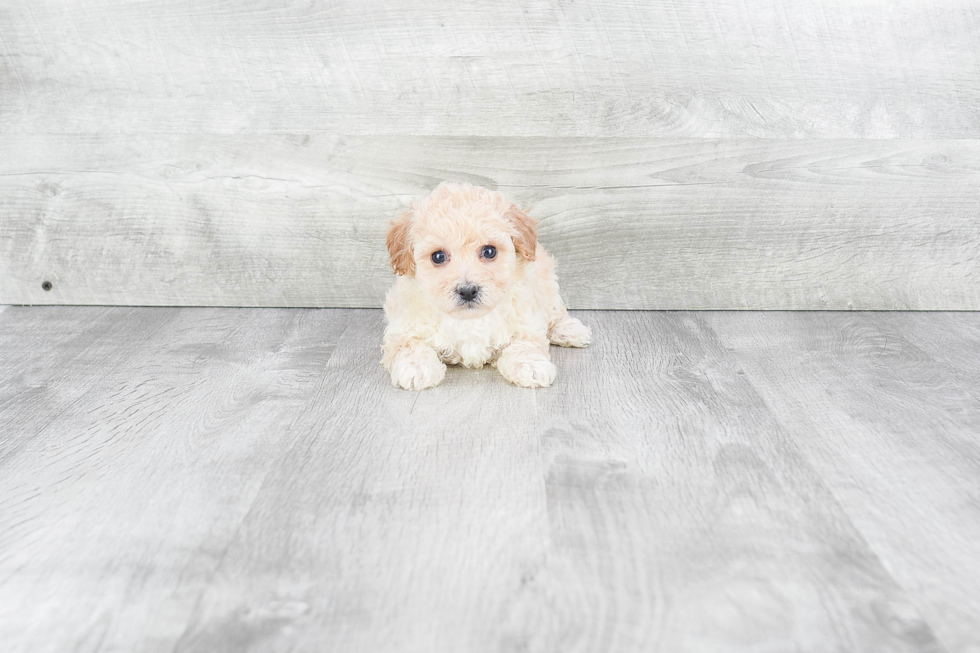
[{"x": 468, "y": 293}]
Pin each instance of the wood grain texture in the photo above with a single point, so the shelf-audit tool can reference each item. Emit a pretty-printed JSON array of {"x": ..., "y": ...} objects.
[
  {"x": 634, "y": 223},
  {"x": 952, "y": 340},
  {"x": 247, "y": 480},
  {"x": 830, "y": 69},
  {"x": 132, "y": 444},
  {"x": 892, "y": 428},
  {"x": 684, "y": 518},
  {"x": 397, "y": 522},
  {"x": 247, "y": 153}
]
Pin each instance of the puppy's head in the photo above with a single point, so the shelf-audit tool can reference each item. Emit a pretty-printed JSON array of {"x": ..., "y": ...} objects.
[{"x": 465, "y": 245}]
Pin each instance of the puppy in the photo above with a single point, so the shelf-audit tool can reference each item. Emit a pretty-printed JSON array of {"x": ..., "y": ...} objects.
[{"x": 474, "y": 287}]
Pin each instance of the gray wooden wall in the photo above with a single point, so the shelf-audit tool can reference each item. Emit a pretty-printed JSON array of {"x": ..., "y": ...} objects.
[{"x": 695, "y": 155}]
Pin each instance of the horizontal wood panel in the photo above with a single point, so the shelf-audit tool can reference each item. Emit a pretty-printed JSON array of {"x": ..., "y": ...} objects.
[
  {"x": 829, "y": 69},
  {"x": 634, "y": 223}
]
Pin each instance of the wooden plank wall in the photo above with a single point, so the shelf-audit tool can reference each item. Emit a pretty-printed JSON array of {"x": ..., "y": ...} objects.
[{"x": 704, "y": 155}]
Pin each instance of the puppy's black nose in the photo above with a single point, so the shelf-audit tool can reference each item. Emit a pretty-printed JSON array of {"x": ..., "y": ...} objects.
[{"x": 468, "y": 292}]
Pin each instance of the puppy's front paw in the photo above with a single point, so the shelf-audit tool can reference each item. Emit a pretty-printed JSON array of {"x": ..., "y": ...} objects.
[
  {"x": 528, "y": 371},
  {"x": 417, "y": 369},
  {"x": 570, "y": 332}
]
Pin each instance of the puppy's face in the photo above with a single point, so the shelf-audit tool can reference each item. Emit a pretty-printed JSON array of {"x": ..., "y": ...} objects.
[{"x": 463, "y": 244}]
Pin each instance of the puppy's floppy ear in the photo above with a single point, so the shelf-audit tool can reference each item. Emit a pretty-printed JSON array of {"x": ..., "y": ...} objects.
[
  {"x": 526, "y": 232},
  {"x": 400, "y": 243}
]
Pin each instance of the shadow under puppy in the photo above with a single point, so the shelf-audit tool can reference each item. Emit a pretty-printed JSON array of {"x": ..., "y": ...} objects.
[{"x": 474, "y": 287}]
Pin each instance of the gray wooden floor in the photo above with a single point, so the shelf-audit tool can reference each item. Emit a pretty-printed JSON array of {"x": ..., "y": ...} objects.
[{"x": 247, "y": 480}]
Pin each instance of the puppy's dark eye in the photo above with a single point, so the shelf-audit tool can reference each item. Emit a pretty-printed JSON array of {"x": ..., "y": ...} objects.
[
  {"x": 489, "y": 251},
  {"x": 439, "y": 257}
]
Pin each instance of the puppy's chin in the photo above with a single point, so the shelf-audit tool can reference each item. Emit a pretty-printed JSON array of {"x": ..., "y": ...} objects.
[{"x": 469, "y": 311}]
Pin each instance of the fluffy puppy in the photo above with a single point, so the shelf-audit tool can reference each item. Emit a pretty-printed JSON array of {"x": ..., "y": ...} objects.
[{"x": 474, "y": 287}]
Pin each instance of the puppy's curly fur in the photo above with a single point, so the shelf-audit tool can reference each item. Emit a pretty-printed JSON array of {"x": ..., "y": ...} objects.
[{"x": 474, "y": 287}]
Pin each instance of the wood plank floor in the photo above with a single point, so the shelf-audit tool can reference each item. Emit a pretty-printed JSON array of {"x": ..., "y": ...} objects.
[{"x": 176, "y": 480}]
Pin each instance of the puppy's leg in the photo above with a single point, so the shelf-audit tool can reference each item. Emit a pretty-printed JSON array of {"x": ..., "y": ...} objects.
[
  {"x": 526, "y": 363},
  {"x": 415, "y": 366},
  {"x": 569, "y": 332}
]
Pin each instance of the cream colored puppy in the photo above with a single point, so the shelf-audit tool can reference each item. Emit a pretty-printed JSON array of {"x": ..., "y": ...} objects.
[{"x": 474, "y": 287}]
